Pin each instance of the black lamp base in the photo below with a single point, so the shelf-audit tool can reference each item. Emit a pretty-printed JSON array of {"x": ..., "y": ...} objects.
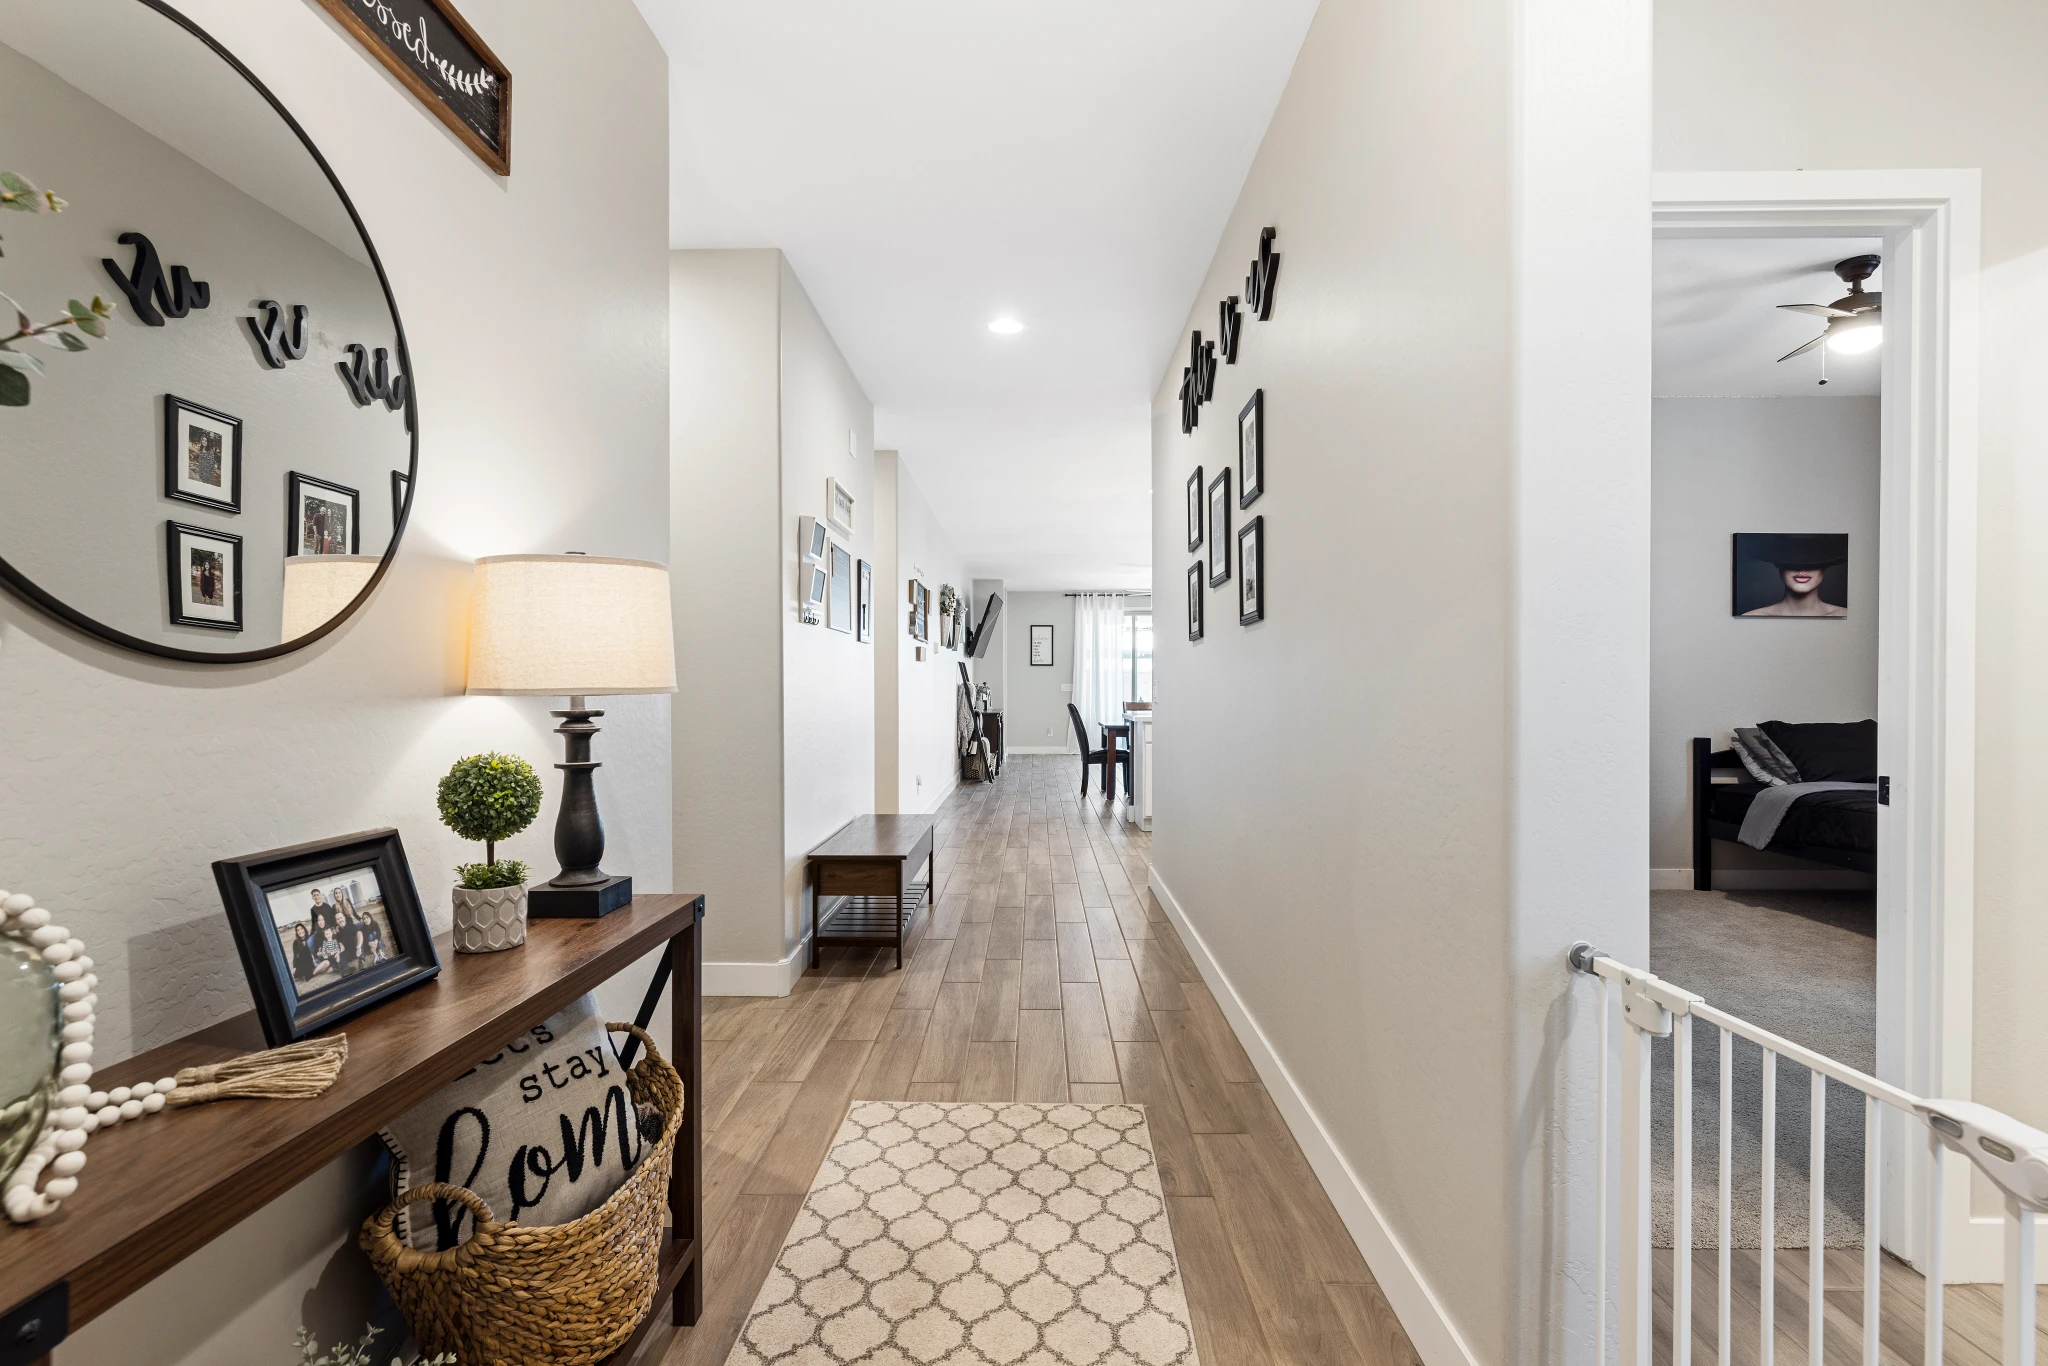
[{"x": 548, "y": 902}]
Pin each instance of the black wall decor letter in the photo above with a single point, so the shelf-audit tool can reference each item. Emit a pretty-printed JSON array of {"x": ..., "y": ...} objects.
[
  {"x": 1232, "y": 325},
  {"x": 148, "y": 293},
  {"x": 278, "y": 346},
  {"x": 1258, "y": 286},
  {"x": 1197, "y": 382},
  {"x": 366, "y": 383}
]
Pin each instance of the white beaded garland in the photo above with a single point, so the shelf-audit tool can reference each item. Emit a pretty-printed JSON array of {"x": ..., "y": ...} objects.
[{"x": 78, "y": 1111}]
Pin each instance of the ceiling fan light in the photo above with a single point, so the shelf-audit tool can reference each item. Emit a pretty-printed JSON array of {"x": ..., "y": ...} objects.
[{"x": 1855, "y": 339}]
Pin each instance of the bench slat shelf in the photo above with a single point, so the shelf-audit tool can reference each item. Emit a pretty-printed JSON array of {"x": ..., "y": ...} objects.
[{"x": 154, "y": 1192}]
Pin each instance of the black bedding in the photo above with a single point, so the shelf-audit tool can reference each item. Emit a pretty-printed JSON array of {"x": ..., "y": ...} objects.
[{"x": 1827, "y": 820}]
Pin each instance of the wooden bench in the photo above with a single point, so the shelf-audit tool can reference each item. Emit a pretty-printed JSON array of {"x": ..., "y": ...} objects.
[{"x": 870, "y": 862}]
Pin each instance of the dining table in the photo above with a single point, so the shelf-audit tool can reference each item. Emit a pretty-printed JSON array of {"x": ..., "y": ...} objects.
[{"x": 1112, "y": 731}]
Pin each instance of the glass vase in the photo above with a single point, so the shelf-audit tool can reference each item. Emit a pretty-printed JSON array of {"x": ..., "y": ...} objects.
[{"x": 31, "y": 1018}]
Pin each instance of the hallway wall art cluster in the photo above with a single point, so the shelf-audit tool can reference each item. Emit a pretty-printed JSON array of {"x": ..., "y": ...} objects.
[{"x": 1208, "y": 505}]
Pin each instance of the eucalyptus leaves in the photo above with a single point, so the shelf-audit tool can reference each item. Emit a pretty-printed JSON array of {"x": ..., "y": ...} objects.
[
  {"x": 358, "y": 1355},
  {"x": 61, "y": 333}
]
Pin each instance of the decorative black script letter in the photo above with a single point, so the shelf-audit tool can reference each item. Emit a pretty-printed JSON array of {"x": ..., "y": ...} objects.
[
  {"x": 1227, "y": 332},
  {"x": 278, "y": 346},
  {"x": 1258, "y": 286},
  {"x": 148, "y": 293}
]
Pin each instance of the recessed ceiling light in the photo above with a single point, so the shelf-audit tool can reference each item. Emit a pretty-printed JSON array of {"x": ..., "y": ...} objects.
[{"x": 1006, "y": 326}]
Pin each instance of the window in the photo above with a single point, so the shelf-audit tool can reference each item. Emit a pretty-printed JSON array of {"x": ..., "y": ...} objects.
[{"x": 1136, "y": 664}]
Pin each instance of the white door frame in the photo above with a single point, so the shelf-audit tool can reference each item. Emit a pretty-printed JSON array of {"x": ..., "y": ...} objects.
[{"x": 1927, "y": 625}]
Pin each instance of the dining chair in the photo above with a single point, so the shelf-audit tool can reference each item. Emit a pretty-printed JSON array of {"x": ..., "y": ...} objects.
[{"x": 1096, "y": 756}]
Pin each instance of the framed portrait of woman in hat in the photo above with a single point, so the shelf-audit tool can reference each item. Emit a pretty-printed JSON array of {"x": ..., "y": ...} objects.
[{"x": 1779, "y": 574}]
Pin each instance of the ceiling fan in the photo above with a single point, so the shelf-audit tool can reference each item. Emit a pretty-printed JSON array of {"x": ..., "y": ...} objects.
[{"x": 1855, "y": 322}]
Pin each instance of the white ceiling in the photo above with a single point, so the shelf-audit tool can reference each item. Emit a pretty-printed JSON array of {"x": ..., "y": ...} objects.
[
  {"x": 928, "y": 165},
  {"x": 1718, "y": 331}
]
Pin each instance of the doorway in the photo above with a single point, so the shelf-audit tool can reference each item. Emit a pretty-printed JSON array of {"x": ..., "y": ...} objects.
[{"x": 1926, "y": 225}]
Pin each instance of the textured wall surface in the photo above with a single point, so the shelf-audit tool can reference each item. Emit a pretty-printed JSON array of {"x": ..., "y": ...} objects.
[
  {"x": 537, "y": 312},
  {"x": 1038, "y": 696}
]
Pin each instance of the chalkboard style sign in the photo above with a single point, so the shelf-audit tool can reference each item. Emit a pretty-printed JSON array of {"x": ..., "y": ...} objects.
[{"x": 438, "y": 56}]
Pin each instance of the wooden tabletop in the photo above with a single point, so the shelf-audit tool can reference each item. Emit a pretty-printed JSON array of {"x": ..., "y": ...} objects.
[
  {"x": 154, "y": 1190},
  {"x": 876, "y": 837}
]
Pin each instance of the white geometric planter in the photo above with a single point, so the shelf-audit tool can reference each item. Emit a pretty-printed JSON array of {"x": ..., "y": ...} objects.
[{"x": 489, "y": 918}]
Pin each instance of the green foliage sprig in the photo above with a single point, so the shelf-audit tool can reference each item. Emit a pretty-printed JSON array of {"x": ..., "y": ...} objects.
[
  {"x": 358, "y": 1355},
  {"x": 948, "y": 599},
  {"x": 481, "y": 877},
  {"x": 62, "y": 333},
  {"x": 489, "y": 797}
]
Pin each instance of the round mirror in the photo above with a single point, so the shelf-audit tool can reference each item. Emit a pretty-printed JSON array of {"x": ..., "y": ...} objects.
[{"x": 206, "y": 413}]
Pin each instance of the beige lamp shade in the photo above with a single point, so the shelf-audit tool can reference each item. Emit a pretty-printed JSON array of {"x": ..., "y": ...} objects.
[
  {"x": 318, "y": 587},
  {"x": 570, "y": 626}
]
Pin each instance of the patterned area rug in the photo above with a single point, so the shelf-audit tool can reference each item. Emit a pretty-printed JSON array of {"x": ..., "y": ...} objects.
[{"x": 965, "y": 1234}]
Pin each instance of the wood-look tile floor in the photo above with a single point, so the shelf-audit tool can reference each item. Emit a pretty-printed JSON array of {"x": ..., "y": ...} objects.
[{"x": 1045, "y": 972}]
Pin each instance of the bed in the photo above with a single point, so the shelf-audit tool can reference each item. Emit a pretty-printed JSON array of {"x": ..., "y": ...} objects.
[{"x": 1836, "y": 827}]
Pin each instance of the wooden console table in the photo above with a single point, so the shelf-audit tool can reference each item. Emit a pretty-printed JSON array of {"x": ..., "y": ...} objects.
[{"x": 156, "y": 1191}]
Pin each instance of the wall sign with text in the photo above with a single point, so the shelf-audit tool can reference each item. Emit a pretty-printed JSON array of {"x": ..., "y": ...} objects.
[{"x": 438, "y": 57}]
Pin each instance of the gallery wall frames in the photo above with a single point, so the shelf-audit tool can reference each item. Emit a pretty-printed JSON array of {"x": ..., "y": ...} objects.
[
  {"x": 202, "y": 455},
  {"x": 1251, "y": 449},
  {"x": 1219, "y": 528},
  {"x": 322, "y": 518},
  {"x": 1195, "y": 488},
  {"x": 204, "y": 567},
  {"x": 839, "y": 606},
  {"x": 811, "y": 538},
  {"x": 813, "y": 583},
  {"x": 864, "y": 603},
  {"x": 838, "y": 506},
  {"x": 436, "y": 55},
  {"x": 1251, "y": 572},
  {"x": 1195, "y": 596}
]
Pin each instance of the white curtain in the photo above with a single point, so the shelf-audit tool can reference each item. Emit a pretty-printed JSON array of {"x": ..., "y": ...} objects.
[{"x": 1098, "y": 657}]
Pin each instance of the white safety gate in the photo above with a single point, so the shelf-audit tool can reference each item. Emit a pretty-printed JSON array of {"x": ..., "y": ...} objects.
[{"x": 2014, "y": 1156}]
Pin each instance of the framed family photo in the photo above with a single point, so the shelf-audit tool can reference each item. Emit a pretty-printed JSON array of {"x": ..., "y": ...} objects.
[
  {"x": 1251, "y": 572},
  {"x": 326, "y": 930},
  {"x": 1219, "y": 528},
  {"x": 202, "y": 455},
  {"x": 1195, "y": 510},
  {"x": 1251, "y": 450},
  {"x": 1195, "y": 594},
  {"x": 322, "y": 518},
  {"x": 204, "y": 567}
]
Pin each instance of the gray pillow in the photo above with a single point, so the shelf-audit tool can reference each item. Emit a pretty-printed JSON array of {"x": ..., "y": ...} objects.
[
  {"x": 544, "y": 1130},
  {"x": 1765, "y": 761}
]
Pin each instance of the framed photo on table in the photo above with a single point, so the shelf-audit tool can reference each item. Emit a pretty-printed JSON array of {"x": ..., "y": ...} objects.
[
  {"x": 326, "y": 930},
  {"x": 204, "y": 567},
  {"x": 1251, "y": 572},
  {"x": 202, "y": 455},
  {"x": 1219, "y": 528},
  {"x": 322, "y": 518}
]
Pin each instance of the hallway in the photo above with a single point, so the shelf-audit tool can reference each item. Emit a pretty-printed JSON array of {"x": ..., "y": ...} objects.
[{"x": 1047, "y": 972}]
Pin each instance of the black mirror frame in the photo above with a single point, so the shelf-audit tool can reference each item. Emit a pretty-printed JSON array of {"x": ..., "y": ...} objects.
[{"x": 26, "y": 589}]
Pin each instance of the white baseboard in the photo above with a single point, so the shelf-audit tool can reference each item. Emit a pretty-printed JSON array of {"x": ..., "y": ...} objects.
[
  {"x": 1977, "y": 1257},
  {"x": 759, "y": 979},
  {"x": 1767, "y": 880},
  {"x": 1429, "y": 1328}
]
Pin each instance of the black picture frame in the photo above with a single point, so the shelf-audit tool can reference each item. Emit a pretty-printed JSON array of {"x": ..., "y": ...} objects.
[
  {"x": 1251, "y": 449},
  {"x": 1251, "y": 572},
  {"x": 1195, "y": 487},
  {"x": 1195, "y": 596},
  {"x": 1048, "y": 639},
  {"x": 249, "y": 883},
  {"x": 480, "y": 119},
  {"x": 401, "y": 493},
  {"x": 1762, "y": 581},
  {"x": 174, "y": 452},
  {"x": 177, "y": 570},
  {"x": 296, "y": 487},
  {"x": 1219, "y": 528},
  {"x": 864, "y": 603}
]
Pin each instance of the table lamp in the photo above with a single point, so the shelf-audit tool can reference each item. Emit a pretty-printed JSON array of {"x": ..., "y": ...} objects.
[
  {"x": 573, "y": 626},
  {"x": 318, "y": 587}
]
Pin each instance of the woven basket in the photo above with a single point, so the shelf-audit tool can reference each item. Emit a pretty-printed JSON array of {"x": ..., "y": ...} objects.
[{"x": 562, "y": 1295}]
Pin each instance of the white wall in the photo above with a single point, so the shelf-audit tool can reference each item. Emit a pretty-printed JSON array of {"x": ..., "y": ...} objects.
[
  {"x": 828, "y": 676},
  {"x": 1036, "y": 710},
  {"x": 1363, "y": 816},
  {"x": 917, "y": 763},
  {"x": 127, "y": 777},
  {"x": 725, "y": 495},
  {"x": 1961, "y": 87},
  {"x": 1723, "y": 465}
]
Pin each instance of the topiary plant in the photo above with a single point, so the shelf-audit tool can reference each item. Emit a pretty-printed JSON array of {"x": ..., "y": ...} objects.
[{"x": 490, "y": 797}]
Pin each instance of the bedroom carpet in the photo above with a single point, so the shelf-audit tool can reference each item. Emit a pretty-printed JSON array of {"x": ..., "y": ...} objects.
[
  {"x": 968, "y": 1234},
  {"x": 1800, "y": 964}
]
